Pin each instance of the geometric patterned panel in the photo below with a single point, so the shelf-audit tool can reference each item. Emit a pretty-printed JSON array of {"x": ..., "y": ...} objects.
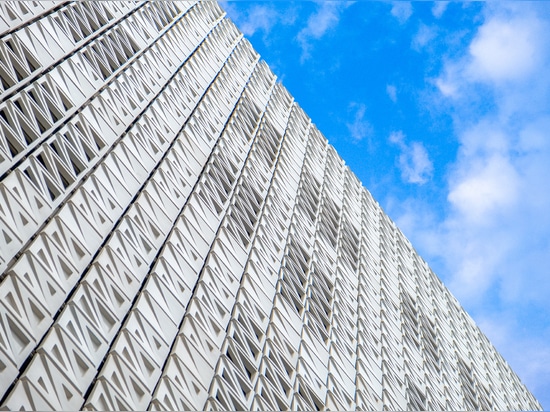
[{"x": 175, "y": 234}]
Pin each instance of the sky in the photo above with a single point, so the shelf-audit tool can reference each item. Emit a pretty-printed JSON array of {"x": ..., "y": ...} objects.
[{"x": 442, "y": 109}]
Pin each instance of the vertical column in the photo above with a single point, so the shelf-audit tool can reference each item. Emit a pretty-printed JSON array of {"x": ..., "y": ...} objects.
[{"x": 369, "y": 335}]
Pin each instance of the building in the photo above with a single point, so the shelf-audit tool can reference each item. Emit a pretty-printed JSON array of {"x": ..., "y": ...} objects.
[{"x": 175, "y": 233}]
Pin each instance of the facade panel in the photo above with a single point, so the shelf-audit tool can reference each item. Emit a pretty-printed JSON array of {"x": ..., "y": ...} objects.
[{"x": 175, "y": 234}]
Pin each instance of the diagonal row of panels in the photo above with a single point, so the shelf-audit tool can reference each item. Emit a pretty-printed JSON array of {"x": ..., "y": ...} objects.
[{"x": 175, "y": 234}]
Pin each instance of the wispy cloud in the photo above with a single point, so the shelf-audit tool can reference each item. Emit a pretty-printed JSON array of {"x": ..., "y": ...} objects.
[
  {"x": 260, "y": 17},
  {"x": 391, "y": 90},
  {"x": 414, "y": 162},
  {"x": 423, "y": 37},
  {"x": 402, "y": 10},
  {"x": 319, "y": 23},
  {"x": 360, "y": 128},
  {"x": 439, "y": 8}
]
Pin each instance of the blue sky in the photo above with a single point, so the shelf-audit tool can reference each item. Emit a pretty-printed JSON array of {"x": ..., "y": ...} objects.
[{"x": 442, "y": 109}]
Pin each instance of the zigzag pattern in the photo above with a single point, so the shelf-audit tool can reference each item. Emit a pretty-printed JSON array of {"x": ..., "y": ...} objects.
[{"x": 175, "y": 234}]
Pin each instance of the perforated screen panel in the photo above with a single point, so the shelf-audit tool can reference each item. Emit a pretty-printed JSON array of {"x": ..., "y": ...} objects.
[{"x": 175, "y": 234}]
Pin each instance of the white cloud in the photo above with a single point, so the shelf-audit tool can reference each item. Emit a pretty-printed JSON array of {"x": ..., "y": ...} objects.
[
  {"x": 509, "y": 47},
  {"x": 360, "y": 127},
  {"x": 485, "y": 181},
  {"x": 484, "y": 138},
  {"x": 391, "y": 90},
  {"x": 414, "y": 162},
  {"x": 402, "y": 10},
  {"x": 256, "y": 18},
  {"x": 397, "y": 138},
  {"x": 534, "y": 137},
  {"x": 416, "y": 165},
  {"x": 416, "y": 217},
  {"x": 490, "y": 186},
  {"x": 439, "y": 8},
  {"x": 504, "y": 49},
  {"x": 259, "y": 18},
  {"x": 319, "y": 23},
  {"x": 423, "y": 36},
  {"x": 447, "y": 87}
]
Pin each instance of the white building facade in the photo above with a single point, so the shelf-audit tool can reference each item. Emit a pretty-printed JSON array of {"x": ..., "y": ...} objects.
[{"x": 175, "y": 234}]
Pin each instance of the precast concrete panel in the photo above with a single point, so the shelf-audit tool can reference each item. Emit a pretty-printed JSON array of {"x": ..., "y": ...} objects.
[{"x": 176, "y": 234}]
